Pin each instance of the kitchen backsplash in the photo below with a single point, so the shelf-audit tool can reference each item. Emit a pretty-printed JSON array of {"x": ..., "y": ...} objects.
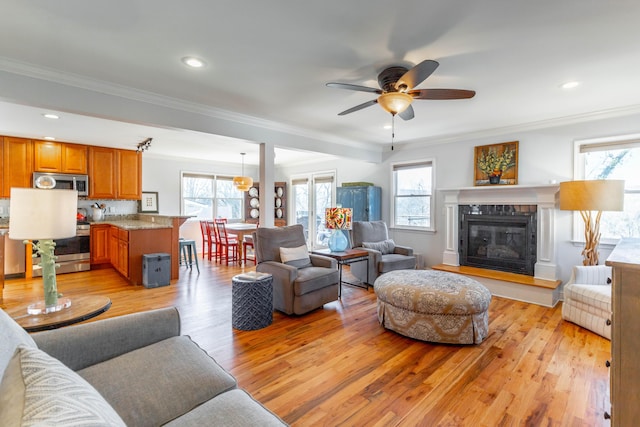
[{"x": 112, "y": 207}]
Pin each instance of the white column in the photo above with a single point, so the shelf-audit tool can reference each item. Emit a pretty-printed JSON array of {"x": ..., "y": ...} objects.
[{"x": 267, "y": 188}]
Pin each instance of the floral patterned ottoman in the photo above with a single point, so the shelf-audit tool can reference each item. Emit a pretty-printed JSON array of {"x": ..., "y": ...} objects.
[{"x": 433, "y": 306}]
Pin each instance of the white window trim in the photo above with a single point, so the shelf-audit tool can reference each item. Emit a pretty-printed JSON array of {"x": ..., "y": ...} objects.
[
  {"x": 214, "y": 177},
  {"x": 392, "y": 192},
  {"x": 578, "y": 174}
]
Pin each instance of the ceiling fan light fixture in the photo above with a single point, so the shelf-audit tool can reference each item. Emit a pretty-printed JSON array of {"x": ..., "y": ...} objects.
[{"x": 395, "y": 102}]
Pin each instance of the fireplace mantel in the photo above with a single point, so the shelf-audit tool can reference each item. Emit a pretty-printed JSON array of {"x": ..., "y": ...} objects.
[{"x": 543, "y": 196}]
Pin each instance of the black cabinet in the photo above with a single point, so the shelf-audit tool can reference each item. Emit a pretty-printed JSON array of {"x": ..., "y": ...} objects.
[{"x": 365, "y": 202}]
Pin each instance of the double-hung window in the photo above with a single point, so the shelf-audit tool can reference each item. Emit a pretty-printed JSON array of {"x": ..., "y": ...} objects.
[
  {"x": 208, "y": 196},
  {"x": 412, "y": 206},
  {"x": 613, "y": 159}
]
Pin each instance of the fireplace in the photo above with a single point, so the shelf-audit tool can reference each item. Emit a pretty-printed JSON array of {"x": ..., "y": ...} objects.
[{"x": 498, "y": 237}]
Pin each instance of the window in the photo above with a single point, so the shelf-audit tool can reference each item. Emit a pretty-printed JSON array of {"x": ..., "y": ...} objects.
[
  {"x": 211, "y": 196},
  {"x": 312, "y": 194},
  {"x": 412, "y": 205},
  {"x": 614, "y": 159}
]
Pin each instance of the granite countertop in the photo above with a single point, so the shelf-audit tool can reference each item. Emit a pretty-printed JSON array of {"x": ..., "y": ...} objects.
[{"x": 132, "y": 224}]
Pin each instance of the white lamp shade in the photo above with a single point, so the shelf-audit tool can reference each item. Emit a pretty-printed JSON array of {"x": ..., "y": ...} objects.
[
  {"x": 38, "y": 214},
  {"x": 592, "y": 195}
]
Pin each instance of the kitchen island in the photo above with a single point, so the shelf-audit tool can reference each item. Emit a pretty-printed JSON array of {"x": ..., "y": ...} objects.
[{"x": 120, "y": 242}]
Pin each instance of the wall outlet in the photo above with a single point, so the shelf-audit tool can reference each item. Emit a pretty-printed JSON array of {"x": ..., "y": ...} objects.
[
  {"x": 1, "y": 210},
  {"x": 112, "y": 209}
]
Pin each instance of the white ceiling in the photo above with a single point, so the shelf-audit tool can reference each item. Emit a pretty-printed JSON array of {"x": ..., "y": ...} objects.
[{"x": 113, "y": 70}]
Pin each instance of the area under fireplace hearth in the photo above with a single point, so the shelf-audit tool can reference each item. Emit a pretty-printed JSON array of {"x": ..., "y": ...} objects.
[{"x": 498, "y": 237}]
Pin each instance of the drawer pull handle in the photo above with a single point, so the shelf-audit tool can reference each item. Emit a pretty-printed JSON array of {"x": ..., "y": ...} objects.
[
  {"x": 607, "y": 364},
  {"x": 608, "y": 322},
  {"x": 607, "y": 416}
]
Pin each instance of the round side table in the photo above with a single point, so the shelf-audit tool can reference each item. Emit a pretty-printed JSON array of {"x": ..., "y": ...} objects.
[{"x": 252, "y": 301}]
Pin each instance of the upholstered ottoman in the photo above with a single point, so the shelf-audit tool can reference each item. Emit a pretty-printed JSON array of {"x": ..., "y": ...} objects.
[{"x": 433, "y": 306}]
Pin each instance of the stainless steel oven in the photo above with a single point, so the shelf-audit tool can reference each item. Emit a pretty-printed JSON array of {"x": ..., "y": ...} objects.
[{"x": 73, "y": 253}]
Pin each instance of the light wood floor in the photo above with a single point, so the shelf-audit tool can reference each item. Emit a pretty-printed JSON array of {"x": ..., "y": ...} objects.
[{"x": 337, "y": 366}]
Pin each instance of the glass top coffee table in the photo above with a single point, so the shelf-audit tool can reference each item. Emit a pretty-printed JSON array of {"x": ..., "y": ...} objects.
[{"x": 82, "y": 308}]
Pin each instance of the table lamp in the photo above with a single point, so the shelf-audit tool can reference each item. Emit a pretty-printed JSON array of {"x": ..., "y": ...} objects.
[
  {"x": 587, "y": 197},
  {"x": 44, "y": 215},
  {"x": 338, "y": 219}
]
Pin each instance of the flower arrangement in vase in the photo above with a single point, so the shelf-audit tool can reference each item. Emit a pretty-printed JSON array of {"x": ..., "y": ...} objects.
[{"x": 495, "y": 160}]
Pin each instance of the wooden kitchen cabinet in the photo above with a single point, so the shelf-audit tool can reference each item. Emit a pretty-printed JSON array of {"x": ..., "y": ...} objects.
[
  {"x": 102, "y": 173},
  {"x": 114, "y": 174},
  {"x": 129, "y": 175},
  {"x": 100, "y": 234},
  {"x": 17, "y": 162},
  {"x": 59, "y": 157}
]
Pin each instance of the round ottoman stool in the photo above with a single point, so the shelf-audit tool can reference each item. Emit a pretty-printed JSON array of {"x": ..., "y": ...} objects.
[
  {"x": 251, "y": 301},
  {"x": 433, "y": 306}
]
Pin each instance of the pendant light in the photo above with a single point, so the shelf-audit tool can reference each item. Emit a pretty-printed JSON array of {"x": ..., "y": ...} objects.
[{"x": 242, "y": 183}]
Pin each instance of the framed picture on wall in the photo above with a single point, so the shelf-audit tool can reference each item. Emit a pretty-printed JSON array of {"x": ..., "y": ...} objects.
[
  {"x": 496, "y": 164},
  {"x": 149, "y": 202}
]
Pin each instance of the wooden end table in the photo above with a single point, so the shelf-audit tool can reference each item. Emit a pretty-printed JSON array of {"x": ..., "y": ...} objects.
[
  {"x": 346, "y": 257},
  {"x": 82, "y": 308}
]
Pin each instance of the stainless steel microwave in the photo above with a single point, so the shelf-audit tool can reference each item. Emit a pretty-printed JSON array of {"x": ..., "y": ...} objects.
[{"x": 64, "y": 181}]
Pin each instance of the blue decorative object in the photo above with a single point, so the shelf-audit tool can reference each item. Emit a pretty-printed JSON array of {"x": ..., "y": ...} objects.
[{"x": 338, "y": 242}]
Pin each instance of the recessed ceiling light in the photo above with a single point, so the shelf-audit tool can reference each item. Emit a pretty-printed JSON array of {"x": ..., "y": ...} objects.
[
  {"x": 570, "y": 85},
  {"x": 386, "y": 127},
  {"x": 51, "y": 116},
  {"x": 49, "y": 138},
  {"x": 193, "y": 62}
]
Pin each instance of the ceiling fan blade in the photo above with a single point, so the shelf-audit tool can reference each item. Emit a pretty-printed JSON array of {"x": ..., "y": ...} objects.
[
  {"x": 407, "y": 114},
  {"x": 417, "y": 74},
  {"x": 354, "y": 87},
  {"x": 359, "y": 107},
  {"x": 442, "y": 94}
]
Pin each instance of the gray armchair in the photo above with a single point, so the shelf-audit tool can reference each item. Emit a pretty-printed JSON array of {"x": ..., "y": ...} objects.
[
  {"x": 301, "y": 284},
  {"x": 384, "y": 254}
]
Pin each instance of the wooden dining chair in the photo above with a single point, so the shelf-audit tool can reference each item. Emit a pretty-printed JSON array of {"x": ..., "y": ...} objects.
[
  {"x": 227, "y": 244},
  {"x": 247, "y": 243},
  {"x": 206, "y": 238}
]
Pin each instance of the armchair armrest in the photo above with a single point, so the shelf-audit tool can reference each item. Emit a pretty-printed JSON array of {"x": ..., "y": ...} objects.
[
  {"x": 591, "y": 275},
  {"x": 281, "y": 272},
  {"x": 87, "y": 344},
  {"x": 323, "y": 261},
  {"x": 403, "y": 250}
]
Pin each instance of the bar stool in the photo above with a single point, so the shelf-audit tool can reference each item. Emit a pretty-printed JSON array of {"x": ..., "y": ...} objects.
[{"x": 188, "y": 248}]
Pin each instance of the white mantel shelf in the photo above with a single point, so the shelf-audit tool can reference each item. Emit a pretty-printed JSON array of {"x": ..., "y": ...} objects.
[{"x": 542, "y": 195}]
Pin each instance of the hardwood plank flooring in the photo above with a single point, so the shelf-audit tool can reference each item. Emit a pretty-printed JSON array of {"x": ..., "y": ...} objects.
[{"x": 338, "y": 366}]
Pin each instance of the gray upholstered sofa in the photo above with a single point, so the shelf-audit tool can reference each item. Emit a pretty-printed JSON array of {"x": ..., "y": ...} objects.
[
  {"x": 145, "y": 372},
  {"x": 384, "y": 254}
]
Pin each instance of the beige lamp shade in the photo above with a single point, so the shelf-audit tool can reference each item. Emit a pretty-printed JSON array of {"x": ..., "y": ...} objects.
[
  {"x": 38, "y": 214},
  {"x": 395, "y": 102},
  {"x": 593, "y": 195}
]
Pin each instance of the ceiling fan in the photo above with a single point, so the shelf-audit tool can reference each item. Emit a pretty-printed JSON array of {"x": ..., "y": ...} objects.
[{"x": 397, "y": 89}]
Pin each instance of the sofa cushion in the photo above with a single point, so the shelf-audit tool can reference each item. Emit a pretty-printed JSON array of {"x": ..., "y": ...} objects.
[
  {"x": 384, "y": 247},
  {"x": 155, "y": 384},
  {"x": 314, "y": 278},
  {"x": 392, "y": 262},
  {"x": 38, "y": 390},
  {"x": 297, "y": 257},
  {"x": 11, "y": 336},
  {"x": 597, "y": 296},
  {"x": 234, "y": 408}
]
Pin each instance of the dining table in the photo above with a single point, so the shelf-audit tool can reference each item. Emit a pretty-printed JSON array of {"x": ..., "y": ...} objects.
[{"x": 240, "y": 229}]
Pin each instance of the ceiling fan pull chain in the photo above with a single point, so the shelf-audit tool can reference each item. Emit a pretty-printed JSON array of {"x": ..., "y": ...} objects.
[{"x": 393, "y": 129}]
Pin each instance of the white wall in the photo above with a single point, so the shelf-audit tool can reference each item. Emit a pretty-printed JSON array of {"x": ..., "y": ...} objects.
[{"x": 544, "y": 154}]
